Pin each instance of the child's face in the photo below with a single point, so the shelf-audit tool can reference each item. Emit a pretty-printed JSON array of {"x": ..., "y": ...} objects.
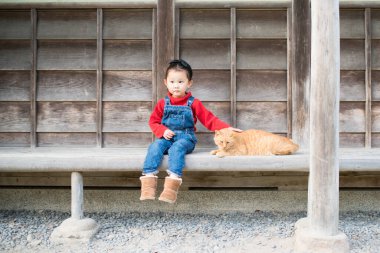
[{"x": 177, "y": 83}]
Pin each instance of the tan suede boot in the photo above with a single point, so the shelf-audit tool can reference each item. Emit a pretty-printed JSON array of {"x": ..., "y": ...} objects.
[
  {"x": 171, "y": 186},
  {"x": 148, "y": 187}
]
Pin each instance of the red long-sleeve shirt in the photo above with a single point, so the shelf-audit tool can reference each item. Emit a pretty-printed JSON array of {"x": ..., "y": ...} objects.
[{"x": 209, "y": 120}]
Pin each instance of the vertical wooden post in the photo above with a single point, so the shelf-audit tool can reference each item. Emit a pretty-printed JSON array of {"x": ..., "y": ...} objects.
[
  {"x": 165, "y": 41},
  {"x": 76, "y": 195},
  {"x": 99, "y": 79},
  {"x": 300, "y": 71},
  {"x": 233, "y": 66},
  {"x": 319, "y": 232},
  {"x": 368, "y": 78},
  {"x": 33, "y": 83}
]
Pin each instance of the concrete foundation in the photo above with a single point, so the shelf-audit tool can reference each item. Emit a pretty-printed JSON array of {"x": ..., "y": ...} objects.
[
  {"x": 105, "y": 200},
  {"x": 306, "y": 241},
  {"x": 75, "y": 230}
]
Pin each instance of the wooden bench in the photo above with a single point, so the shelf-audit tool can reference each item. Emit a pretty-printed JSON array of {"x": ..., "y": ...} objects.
[{"x": 78, "y": 160}]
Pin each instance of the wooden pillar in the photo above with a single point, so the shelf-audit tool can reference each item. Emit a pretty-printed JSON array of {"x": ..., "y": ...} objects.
[
  {"x": 300, "y": 71},
  {"x": 76, "y": 195},
  {"x": 319, "y": 231},
  {"x": 165, "y": 41}
]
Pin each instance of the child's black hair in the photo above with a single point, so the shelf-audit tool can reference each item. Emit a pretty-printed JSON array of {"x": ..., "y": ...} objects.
[{"x": 180, "y": 65}]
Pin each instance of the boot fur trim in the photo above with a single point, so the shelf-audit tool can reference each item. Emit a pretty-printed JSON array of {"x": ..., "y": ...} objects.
[
  {"x": 171, "y": 186},
  {"x": 148, "y": 187}
]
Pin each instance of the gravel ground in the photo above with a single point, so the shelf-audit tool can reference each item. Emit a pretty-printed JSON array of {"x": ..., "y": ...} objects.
[{"x": 29, "y": 231}]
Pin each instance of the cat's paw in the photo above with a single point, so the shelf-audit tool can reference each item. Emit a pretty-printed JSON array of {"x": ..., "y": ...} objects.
[
  {"x": 213, "y": 152},
  {"x": 220, "y": 155}
]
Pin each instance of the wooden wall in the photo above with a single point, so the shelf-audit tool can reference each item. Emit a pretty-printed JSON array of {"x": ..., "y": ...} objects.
[{"x": 87, "y": 77}]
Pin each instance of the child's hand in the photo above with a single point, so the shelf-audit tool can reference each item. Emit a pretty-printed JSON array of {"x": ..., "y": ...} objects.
[
  {"x": 235, "y": 129},
  {"x": 168, "y": 134}
]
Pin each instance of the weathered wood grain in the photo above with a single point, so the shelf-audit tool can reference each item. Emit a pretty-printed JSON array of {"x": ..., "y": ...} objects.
[
  {"x": 206, "y": 54},
  {"x": 375, "y": 85},
  {"x": 15, "y": 55},
  {"x": 66, "y": 86},
  {"x": 261, "y": 24},
  {"x": 375, "y": 54},
  {"x": 376, "y": 116},
  {"x": 253, "y": 85},
  {"x": 130, "y": 140},
  {"x": 351, "y": 140},
  {"x": 268, "y": 116},
  {"x": 66, "y": 55},
  {"x": 375, "y": 140},
  {"x": 262, "y": 54},
  {"x": 14, "y": 85},
  {"x": 66, "y": 24},
  {"x": 14, "y": 117},
  {"x": 126, "y": 116},
  {"x": 375, "y": 24},
  {"x": 352, "y": 117},
  {"x": 66, "y": 117},
  {"x": 352, "y": 54},
  {"x": 352, "y": 86},
  {"x": 204, "y": 24},
  {"x": 221, "y": 110},
  {"x": 352, "y": 24},
  {"x": 14, "y": 139},
  {"x": 127, "y": 24},
  {"x": 127, "y": 55},
  {"x": 211, "y": 85},
  {"x": 205, "y": 139},
  {"x": 15, "y": 24},
  {"x": 66, "y": 139},
  {"x": 127, "y": 85}
]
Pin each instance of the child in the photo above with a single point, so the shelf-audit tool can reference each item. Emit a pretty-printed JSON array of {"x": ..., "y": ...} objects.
[{"x": 173, "y": 122}]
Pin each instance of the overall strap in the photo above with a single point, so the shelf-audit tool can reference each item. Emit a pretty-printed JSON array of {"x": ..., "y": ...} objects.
[
  {"x": 167, "y": 100},
  {"x": 190, "y": 101}
]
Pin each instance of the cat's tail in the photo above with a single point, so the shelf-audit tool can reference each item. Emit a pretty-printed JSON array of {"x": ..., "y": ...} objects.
[{"x": 285, "y": 148}]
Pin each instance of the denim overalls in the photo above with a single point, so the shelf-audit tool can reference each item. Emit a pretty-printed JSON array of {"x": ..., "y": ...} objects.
[{"x": 179, "y": 119}]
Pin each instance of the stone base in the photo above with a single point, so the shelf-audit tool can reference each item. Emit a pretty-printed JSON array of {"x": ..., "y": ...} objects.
[
  {"x": 75, "y": 230},
  {"x": 308, "y": 242}
]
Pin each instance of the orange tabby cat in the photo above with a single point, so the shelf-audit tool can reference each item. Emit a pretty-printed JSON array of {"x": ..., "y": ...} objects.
[{"x": 251, "y": 142}]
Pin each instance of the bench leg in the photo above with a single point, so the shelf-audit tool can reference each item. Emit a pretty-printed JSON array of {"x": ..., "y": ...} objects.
[{"x": 76, "y": 228}]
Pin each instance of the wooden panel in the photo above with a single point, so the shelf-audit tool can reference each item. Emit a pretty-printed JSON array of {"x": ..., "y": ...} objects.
[
  {"x": 261, "y": 24},
  {"x": 132, "y": 140},
  {"x": 66, "y": 55},
  {"x": 352, "y": 86},
  {"x": 350, "y": 140},
  {"x": 14, "y": 85},
  {"x": 211, "y": 85},
  {"x": 127, "y": 24},
  {"x": 268, "y": 116},
  {"x": 376, "y": 116},
  {"x": 66, "y": 86},
  {"x": 14, "y": 117},
  {"x": 196, "y": 24},
  {"x": 15, "y": 25},
  {"x": 126, "y": 116},
  {"x": 375, "y": 16},
  {"x": 375, "y": 140},
  {"x": 127, "y": 55},
  {"x": 261, "y": 54},
  {"x": 127, "y": 86},
  {"x": 352, "y": 55},
  {"x": 352, "y": 117},
  {"x": 15, "y": 55},
  {"x": 376, "y": 54},
  {"x": 14, "y": 140},
  {"x": 219, "y": 109},
  {"x": 375, "y": 85},
  {"x": 205, "y": 140},
  {"x": 66, "y": 117},
  {"x": 352, "y": 24},
  {"x": 261, "y": 85},
  {"x": 66, "y": 24},
  {"x": 206, "y": 54},
  {"x": 66, "y": 139}
]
